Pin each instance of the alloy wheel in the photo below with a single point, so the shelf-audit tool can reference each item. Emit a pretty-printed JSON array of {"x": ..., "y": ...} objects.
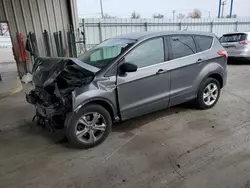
[
  {"x": 210, "y": 94},
  {"x": 90, "y": 127}
]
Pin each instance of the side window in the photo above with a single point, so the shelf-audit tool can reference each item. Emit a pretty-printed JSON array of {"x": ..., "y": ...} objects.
[
  {"x": 182, "y": 46},
  {"x": 149, "y": 53},
  {"x": 204, "y": 42}
]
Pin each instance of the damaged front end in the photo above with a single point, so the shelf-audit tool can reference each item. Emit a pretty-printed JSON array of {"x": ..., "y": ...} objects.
[{"x": 55, "y": 79}]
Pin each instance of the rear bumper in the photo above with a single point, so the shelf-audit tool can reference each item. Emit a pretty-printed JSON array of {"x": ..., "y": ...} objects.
[{"x": 243, "y": 54}]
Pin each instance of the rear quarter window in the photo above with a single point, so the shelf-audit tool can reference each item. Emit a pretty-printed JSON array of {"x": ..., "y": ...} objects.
[
  {"x": 204, "y": 42},
  {"x": 182, "y": 46}
]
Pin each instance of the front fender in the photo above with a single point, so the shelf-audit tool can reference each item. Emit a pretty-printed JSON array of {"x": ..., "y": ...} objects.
[
  {"x": 100, "y": 99},
  {"x": 101, "y": 92}
]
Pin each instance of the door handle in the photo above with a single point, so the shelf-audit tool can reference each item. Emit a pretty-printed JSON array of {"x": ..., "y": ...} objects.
[
  {"x": 199, "y": 61},
  {"x": 160, "y": 71}
]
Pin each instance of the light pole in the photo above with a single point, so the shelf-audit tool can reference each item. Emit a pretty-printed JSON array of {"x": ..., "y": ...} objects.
[
  {"x": 223, "y": 4},
  {"x": 173, "y": 14},
  {"x": 208, "y": 13},
  {"x": 101, "y": 9}
]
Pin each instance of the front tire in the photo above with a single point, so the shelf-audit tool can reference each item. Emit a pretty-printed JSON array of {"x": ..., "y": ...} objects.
[
  {"x": 89, "y": 127},
  {"x": 208, "y": 94}
]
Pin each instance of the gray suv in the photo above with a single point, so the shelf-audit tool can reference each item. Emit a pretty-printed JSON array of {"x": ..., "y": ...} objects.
[{"x": 125, "y": 77}]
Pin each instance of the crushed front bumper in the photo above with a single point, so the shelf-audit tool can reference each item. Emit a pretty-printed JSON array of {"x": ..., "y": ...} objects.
[{"x": 45, "y": 111}]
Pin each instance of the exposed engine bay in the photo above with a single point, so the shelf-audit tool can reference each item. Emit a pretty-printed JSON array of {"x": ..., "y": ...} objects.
[{"x": 55, "y": 79}]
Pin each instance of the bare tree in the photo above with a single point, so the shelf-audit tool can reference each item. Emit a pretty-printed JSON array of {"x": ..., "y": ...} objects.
[
  {"x": 158, "y": 16},
  {"x": 106, "y": 16},
  {"x": 135, "y": 15},
  {"x": 195, "y": 14},
  {"x": 234, "y": 16},
  {"x": 181, "y": 16}
]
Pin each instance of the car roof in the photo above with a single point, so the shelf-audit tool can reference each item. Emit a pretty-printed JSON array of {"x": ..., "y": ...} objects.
[
  {"x": 247, "y": 32},
  {"x": 149, "y": 34}
]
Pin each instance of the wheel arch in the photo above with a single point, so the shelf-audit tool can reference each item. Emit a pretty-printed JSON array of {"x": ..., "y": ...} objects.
[
  {"x": 218, "y": 77},
  {"x": 105, "y": 103}
]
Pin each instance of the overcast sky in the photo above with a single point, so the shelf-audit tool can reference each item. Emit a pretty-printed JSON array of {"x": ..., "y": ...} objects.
[{"x": 123, "y": 8}]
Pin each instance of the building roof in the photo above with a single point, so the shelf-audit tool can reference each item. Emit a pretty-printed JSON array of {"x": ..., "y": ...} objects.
[{"x": 148, "y": 34}]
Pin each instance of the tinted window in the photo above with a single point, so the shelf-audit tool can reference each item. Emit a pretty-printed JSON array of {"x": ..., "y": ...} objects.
[
  {"x": 204, "y": 42},
  {"x": 182, "y": 46},
  {"x": 233, "y": 37},
  {"x": 148, "y": 53}
]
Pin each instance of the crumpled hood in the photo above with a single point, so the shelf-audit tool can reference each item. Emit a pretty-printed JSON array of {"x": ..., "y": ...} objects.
[{"x": 46, "y": 70}]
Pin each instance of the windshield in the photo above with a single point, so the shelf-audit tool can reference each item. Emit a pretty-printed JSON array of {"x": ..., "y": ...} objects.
[{"x": 102, "y": 54}]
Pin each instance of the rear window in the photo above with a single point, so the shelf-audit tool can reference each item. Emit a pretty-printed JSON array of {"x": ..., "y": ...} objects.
[
  {"x": 204, "y": 42},
  {"x": 233, "y": 37}
]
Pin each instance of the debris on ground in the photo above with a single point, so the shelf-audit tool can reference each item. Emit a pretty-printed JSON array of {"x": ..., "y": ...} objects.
[{"x": 27, "y": 78}]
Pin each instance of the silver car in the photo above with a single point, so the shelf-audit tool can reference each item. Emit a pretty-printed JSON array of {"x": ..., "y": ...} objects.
[
  {"x": 237, "y": 45},
  {"x": 125, "y": 77}
]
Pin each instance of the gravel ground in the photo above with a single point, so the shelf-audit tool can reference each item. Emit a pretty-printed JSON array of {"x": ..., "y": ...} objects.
[{"x": 177, "y": 147}]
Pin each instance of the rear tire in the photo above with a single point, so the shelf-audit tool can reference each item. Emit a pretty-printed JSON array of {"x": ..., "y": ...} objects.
[
  {"x": 208, "y": 94},
  {"x": 89, "y": 127}
]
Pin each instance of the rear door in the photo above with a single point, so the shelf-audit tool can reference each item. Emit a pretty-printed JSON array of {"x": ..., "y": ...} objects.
[
  {"x": 185, "y": 65},
  {"x": 233, "y": 43},
  {"x": 148, "y": 88}
]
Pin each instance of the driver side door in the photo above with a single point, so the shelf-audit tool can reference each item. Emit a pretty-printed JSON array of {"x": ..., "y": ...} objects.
[{"x": 147, "y": 89}]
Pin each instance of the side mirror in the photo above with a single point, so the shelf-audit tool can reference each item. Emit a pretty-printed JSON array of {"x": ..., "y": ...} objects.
[{"x": 128, "y": 67}]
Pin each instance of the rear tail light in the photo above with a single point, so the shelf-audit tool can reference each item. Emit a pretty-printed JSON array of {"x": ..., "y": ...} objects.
[
  {"x": 223, "y": 53},
  {"x": 244, "y": 42}
]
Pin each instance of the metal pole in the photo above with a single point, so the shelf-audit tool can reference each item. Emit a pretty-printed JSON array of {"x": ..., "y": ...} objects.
[
  {"x": 211, "y": 28},
  {"x": 146, "y": 26},
  {"x": 231, "y": 8},
  {"x": 101, "y": 8},
  {"x": 84, "y": 35},
  {"x": 173, "y": 15},
  {"x": 222, "y": 11},
  {"x": 236, "y": 26},
  {"x": 100, "y": 32},
  {"x": 219, "y": 9}
]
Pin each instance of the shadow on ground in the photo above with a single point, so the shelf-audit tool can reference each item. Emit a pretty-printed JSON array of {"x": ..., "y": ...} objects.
[
  {"x": 57, "y": 137},
  {"x": 232, "y": 61},
  {"x": 138, "y": 122}
]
